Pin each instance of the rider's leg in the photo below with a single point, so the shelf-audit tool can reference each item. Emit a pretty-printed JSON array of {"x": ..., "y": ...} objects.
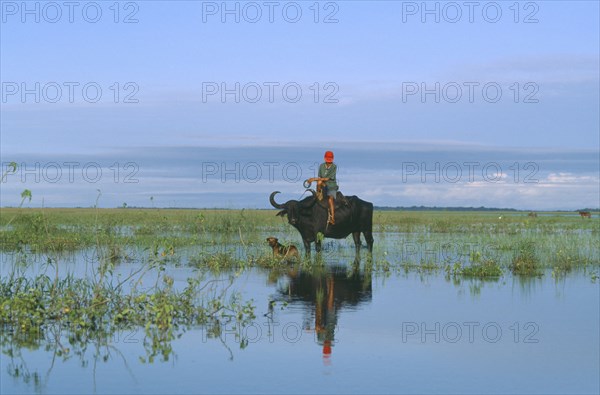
[{"x": 332, "y": 210}]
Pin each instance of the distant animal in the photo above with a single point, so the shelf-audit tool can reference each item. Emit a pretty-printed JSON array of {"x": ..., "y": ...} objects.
[
  {"x": 309, "y": 217},
  {"x": 281, "y": 251},
  {"x": 585, "y": 214},
  {"x": 532, "y": 214}
]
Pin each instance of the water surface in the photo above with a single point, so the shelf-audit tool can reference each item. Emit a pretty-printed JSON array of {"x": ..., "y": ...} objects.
[{"x": 342, "y": 328}]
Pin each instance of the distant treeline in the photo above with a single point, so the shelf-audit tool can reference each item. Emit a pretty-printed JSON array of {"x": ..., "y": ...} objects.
[{"x": 427, "y": 208}]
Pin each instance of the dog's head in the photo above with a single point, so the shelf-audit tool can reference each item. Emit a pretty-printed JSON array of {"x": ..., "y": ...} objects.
[{"x": 273, "y": 241}]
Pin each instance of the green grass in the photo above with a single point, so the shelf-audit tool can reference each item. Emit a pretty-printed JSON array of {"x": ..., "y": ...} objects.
[
  {"x": 514, "y": 241},
  {"x": 487, "y": 268},
  {"x": 72, "y": 229}
]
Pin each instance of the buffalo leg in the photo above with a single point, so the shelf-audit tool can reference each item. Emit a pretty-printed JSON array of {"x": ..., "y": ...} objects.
[
  {"x": 369, "y": 237},
  {"x": 306, "y": 247},
  {"x": 317, "y": 246},
  {"x": 356, "y": 237}
]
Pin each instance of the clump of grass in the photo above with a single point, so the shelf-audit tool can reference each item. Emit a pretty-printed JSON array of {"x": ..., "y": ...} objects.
[
  {"x": 428, "y": 266},
  {"x": 482, "y": 266},
  {"x": 479, "y": 268},
  {"x": 487, "y": 268},
  {"x": 525, "y": 262},
  {"x": 565, "y": 260},
  {"x": 218, "y": 261},
  {"x": 270, "y": 261},
  {"x": 424, "y": 266}
]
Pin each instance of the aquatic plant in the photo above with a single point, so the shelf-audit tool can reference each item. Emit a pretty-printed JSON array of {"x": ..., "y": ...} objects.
[
  {"x": 525, "y": 262},
  {"x": 97, "y": 307}
]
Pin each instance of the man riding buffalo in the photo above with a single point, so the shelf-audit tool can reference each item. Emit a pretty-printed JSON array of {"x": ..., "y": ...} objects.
[
  {"x": 327, "y": 181},
  {"x": 336, "y": 219}
]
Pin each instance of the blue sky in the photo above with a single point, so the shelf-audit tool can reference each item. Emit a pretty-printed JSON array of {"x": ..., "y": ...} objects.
[{"x": 368, "y": 63}]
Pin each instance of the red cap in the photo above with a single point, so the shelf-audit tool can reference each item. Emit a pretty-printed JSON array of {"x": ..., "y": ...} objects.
[{"x": 328, "y": 156}]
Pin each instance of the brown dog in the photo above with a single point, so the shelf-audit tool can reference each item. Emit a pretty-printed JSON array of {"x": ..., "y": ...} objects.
[{"x": 281, "y": 251}]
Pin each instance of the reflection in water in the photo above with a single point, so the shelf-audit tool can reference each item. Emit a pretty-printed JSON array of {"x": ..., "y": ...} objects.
[
  {"x": 325, "y": 291},
  {"x": 58, "y": 346},
  {"x": 327, "y": 299}
]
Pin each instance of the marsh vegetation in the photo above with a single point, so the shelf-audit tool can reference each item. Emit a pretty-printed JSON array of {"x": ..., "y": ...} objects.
[{"x": 73, "y": 279}]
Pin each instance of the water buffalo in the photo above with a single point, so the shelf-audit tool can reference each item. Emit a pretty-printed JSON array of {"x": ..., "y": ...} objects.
[
  {"x": 585, "y": 214},
  {"x": 309, "y": 216}
]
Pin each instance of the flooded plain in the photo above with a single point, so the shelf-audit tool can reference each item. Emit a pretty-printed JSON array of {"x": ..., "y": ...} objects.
[{"x": 194, "y": 302}]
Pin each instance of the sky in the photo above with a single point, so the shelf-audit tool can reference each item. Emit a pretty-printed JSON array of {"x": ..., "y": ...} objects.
[{"x": 205, "y": 104}]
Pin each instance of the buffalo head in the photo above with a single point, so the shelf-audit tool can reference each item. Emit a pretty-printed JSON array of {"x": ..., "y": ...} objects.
[{"x": 292, "y": 208}]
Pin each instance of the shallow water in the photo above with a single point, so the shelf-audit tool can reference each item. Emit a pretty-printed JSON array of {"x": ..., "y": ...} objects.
[{"x": 343, "y": 329}]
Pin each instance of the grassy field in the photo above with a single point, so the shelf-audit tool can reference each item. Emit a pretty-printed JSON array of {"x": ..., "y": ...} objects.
[
  {"x": 90, "y": 308},
  {"x": 521, "y": 243}
]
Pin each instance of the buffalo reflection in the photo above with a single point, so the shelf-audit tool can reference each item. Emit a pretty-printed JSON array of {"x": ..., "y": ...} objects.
[{"x": 325, "y": 291}]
